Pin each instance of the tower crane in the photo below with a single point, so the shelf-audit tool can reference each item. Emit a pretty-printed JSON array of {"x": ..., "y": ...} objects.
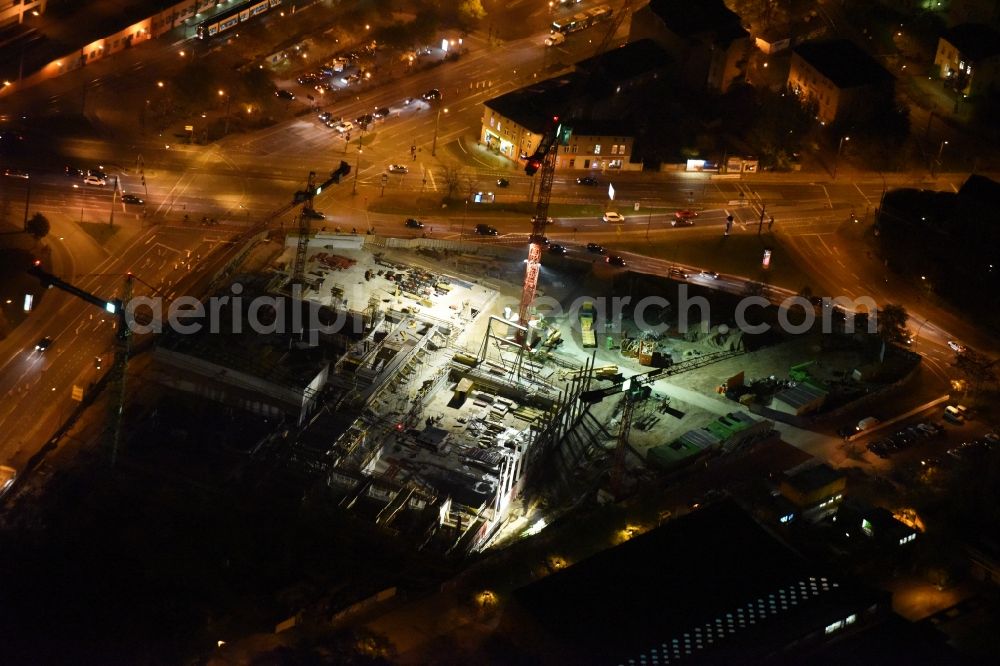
[
  {"x": 123, "y": 334},
  {"x": 544, "y": 159},
  {"x": 306, "y": 197},
  {"x": 634, "y": 389}
]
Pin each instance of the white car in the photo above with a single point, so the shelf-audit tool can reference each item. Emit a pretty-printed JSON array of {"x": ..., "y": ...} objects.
[
  {"x": 612, "y": 217},
  {"x": 345, "y": 126},
  {"x": 398, "y": 168},
  {"x": 555, "y": 39},
  {"x": 94, "y": 180},
  {"x": 956, "y": 346},
  {"x": 7, "y": 476}
]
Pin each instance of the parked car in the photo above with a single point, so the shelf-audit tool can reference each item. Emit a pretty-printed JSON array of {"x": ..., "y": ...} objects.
[
  {"x": 43, "y": 344},
  {"x": 131, "y": 199},
  {"x": 398, "y": 168},
  {"x": 413, "y": 224},
  {"x": 486, "y": 230},
  {"x": 616, "y": 260},
  {"x": 557, "y": 249},
  {"x": 94, "y": 180},
  {"x": 7, "y": 476},
  {"x": 307, "y": 79},
  {"x": 612, "y": 217},
  {"x": 594, "y": 248},
  {"x": 586, "y": 180},
  {"x": 502, "y": 182},
  {"x": 284, "y": 94}
]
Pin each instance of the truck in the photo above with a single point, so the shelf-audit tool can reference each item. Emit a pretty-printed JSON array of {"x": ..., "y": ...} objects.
[{"x": 587, "y": 315}]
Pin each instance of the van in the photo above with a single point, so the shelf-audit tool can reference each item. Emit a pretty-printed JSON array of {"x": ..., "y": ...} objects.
[
  {"x": 867, "y": 423},
  {"x": 953, "y": 415}
]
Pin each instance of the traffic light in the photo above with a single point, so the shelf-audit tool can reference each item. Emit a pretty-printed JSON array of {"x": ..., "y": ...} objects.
[{"x": 532, "y": 167}]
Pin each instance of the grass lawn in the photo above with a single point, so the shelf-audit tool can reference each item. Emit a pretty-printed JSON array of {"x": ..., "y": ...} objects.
[
  {"x": 101, "y": 232},
  {"x": 737, "y": 254}
]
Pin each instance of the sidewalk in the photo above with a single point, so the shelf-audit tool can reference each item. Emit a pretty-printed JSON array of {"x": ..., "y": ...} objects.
[{"x": 473, "y": 153}]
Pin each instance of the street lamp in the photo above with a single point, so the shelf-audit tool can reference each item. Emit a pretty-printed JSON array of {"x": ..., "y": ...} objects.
[
  {"x": 937, "y": 162},
  {"x": 437, "y": 121},
  {"x": 229, "y": 99},
  {"x": 836, "y": 160},
  {"x": 357, "y": 164}
]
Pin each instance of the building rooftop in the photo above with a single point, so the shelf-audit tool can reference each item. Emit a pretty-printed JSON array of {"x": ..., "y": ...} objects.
[
  {"x": 813, "y": 478},
  {"x": 627, "y": 61},
  {"x": 800, "y": 395},
  {"x": 534, "y": 106},
  {"x": 691, "y": 19},
  {"x": 711, "y": 586},
  {"x": 844, "y": 63},
  {"x": 974, "y": 41}
]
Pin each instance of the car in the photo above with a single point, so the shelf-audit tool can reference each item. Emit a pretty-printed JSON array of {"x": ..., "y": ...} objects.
[
  {"x": 15, "y": 173},
  {"x": 325, "y": 116},
  {"x": 594, "y": 248},
  {"x": 344, "y": 126},
  {"x": 98, "y": 362},
  {"x": 94, "y": 180},
  {"x": 413, "y": 224},
  {"x": 321, "y": 88},
  {"x": 350, "y": 78},
  {"x": 678, "y": 273},
  {"x": 313, "y": 214},
  {"x": 398, "y": 168},
  {"x": 554, "y": 39},
  {"x": 612, "y": 217},
  {"x": 557, "y": 249},
  {"x": 956, "y": 347},
  {"x": 586, "y": 180},
  {"x": 365, "y": 120},
  {"x": 7, "y": 476},
  {"x": 709, "y": 275},
  {"x": 43, "y": 344},
  {"x": 615, "y": 260},
  {"x": 538, "y": 239},
  {"x": 284, "y": 94},
  {"x": 73, "y": 172},
  {"x": 683, "y": 222},
  {"x": 333, "y": 121},
  {"x": 338, "y": 64},
  {"x": 503, "y": 182},
  {"x": 432, "y": 94},
  {"x": 307, "y": 79},
  {"x": 131, "y": 199},
  {"x": 685, "y": 215},
  {"x": 381, "y": 112},
  {"x": 486, "y": 230}
]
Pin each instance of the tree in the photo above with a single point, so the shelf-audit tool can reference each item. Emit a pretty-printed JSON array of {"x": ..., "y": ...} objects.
[
  {"x": 470, "y": 11},
  {"x": 453, "y": 180},
  {"x": 891, "y": 321},
  {"x": 977, "y": 368},
  {"x": 38, "y": 226}
]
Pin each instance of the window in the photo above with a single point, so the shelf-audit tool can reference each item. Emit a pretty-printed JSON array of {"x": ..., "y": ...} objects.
[
  {"x": 572, "y": 163},
  {"x": 573, "y": 149},
  {"x": 597, "y": 149},
  {"x": 850, "y": 619},
  {"x": 614, "y": 149},
  {"x": 621, "y": 149},
  {"x": 836, "y": 626},
  {"x": 586, "y": 164}
]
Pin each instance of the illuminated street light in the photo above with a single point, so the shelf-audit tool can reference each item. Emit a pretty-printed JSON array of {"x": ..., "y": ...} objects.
[
  {"x": 437, "y": 121},
  {"x": 836, "y": 160}
]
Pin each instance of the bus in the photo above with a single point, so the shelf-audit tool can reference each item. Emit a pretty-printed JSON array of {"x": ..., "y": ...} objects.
[
  {"x": 583, "y": 20},
  {"x": 233, "y": 17}
]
